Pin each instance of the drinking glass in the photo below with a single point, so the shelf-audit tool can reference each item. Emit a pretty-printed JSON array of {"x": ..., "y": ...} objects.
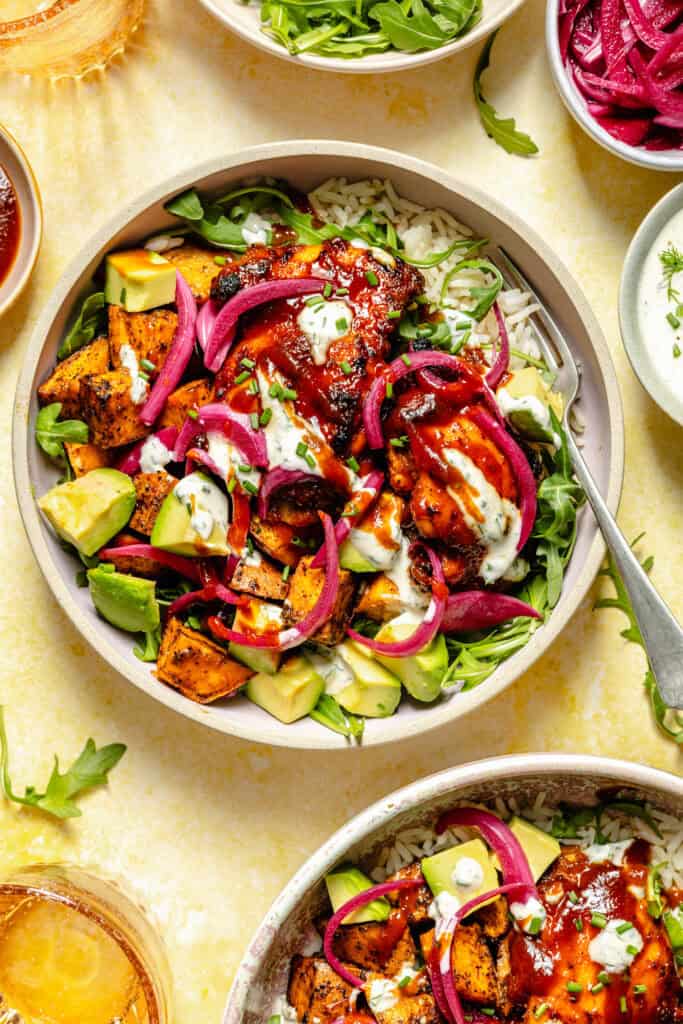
[
  {"x": 65, "y": 38},
  {"x": 76, "y": 950}
]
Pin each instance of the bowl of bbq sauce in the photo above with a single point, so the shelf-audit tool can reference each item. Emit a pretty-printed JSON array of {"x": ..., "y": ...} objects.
[{"x": 20, "y": 220}]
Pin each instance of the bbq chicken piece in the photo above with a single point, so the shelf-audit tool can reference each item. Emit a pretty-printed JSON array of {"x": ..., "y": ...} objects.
[{"x": 616, "y": 966}]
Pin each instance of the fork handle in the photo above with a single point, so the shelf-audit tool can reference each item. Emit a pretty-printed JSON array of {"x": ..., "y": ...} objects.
[{"x": 662, "y": 635}]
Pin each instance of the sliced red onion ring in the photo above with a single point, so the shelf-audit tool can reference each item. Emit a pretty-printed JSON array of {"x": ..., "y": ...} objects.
[
  {"x": 273, "y": 481},
  {"x": 203, "y": 458},
  {"x": 179, "y": 353},
  {"x": 211, "y": 592},
  {"x": 495, "y": 374},
  {"x": 360, "y": 900},
  {"x": 236, "y": 426},
  {"x": 393, "y": 373},
  {"x": 342, "y": 528},
  {"x": 318, "y": 615},
  {"x": 184, "y": 566},
  {"x": 437, "y": 984},
  {"x": 428, "y": 628},
  {"x": 526, "y": 482},
  {"x": 130, "y": 462},
  {"x": 206, "y": 318},
  {"x": 223, "y": 332},
  {"x": 471, "y": 610}
]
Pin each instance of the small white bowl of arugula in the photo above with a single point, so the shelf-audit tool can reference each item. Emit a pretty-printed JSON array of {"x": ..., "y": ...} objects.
[{"x": 363, "y": 38}]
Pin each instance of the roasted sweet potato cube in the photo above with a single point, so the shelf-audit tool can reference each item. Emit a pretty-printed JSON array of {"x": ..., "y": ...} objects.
[
  {"x": 84, "y": 457},
  {"x": 316, "y": 992},
  {"x": 402, "y": 471},
  {"x": 64, "y": 383},
  {"x": 260, "y": 578},
  {"x": 109, "y": 410},
  {"x": 474, "y": 971},
  {"x": 178, "y": 403},
  {"x": 304, "y": 590},
  {"x": 380, "y": 600},
  {"x": 494, "y": 918},
  {"x": 201, "y": 669},
  {"x": 149, "y": 334},
  {"x": 407, "y": 1008},
  {"x": 366, "y": 946},
  {"x": 146, "y": 567},
  {"x": 417, "y": 901},
  {"x": 198, "y": 267},
  {"x": 150, "y": 491},
  {"x": 276, "y": 540}
]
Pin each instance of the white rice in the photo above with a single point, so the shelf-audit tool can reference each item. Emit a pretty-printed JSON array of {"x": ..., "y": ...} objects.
[{"x": 424, "y": 232}]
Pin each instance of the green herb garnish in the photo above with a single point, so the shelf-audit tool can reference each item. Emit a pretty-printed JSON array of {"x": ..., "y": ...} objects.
[
  {"x": 328, "y": 712},
  {"x": 51, "y": 432},
  {"x": 503, "y": 131},
  {"x": 91, "y": 321}
]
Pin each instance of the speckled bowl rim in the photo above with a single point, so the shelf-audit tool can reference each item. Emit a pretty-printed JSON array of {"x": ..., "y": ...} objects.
[
  {"x": 381, "y": 63},
  {"x": 641, "y": 243},
  {"x": 268, "y": 730},
  {"x": 31, "y": 184},
  {"x": 451, "y": 781},
  {"x": 670, "y": 160}
]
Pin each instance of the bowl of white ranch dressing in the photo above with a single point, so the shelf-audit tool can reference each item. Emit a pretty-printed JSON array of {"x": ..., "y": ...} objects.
[{"x": 651, "y": 303}]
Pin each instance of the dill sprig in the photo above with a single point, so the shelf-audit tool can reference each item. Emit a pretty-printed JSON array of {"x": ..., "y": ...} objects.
[{"x": 671, "y": 260}]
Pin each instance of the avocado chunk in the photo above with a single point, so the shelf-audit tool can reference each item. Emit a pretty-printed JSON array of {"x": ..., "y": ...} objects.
[
  {"x": 290, "y": 694},
  {"x": 89, "y": 511},
  {"x": 193, "y": 519},
  {"x": 345, "y": 883},
  {"x": 541, "y": 849},
  {"x": 126, "y": 601},
  {"x": 374, "y": 692},
  {"x": 373, "y": 544},
  {"x": 257, "y": 617},
  {"x": 139, "y": 280},
  {"x": 420, "y": 673},
  {"x": 526, "y": 401},
  {"x": 463, "y": 871}
]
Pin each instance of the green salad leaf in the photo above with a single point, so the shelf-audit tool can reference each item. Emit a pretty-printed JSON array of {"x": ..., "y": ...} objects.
[
  {"x": 90, "y": 769},
  {"x": 329, "y": 712},
  {"x": 148, "y": 649},
  {"x": 502, "y": 130},
  {"x": 485, "y": 294},
  {"x": 91, "y": 321},
  {"x": 409, "y": 32},
  {"x": 569, "y": 821},
  {"x": 187, "y": 206},
  {"x": 51, "y": 432}
]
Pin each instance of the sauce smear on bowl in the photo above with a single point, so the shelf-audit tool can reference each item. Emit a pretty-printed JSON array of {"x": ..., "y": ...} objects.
[{"x": 10, "y": 224}]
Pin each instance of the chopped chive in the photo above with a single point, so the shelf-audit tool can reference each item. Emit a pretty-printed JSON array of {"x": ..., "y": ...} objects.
[
  {"x": 147, "y": 365},
  {"x": 301, "y": 449},
  {"x": 422, "y": 300},
  {"x": 342, "y": 324},
  {"x": 399, "y": 442},
  {"x": 604, "y": 977},
  {"x": 540, "y": 1010},
  {"x": 253, "y": 419},
  {"x": 265, "y": 417},
  {"x": 535, "y": 926},
  {"x": 578, "y": 924},
  {"x": 677, "y": 351},
  {"x": 371, "y": 278},
  {"x": 623, "y": 928},
  {"x": 249, "y": 364},
  {"x": 220, "y": 261},
  {"x": 250, "y": 546},
  {"x": 574, "y": 987},
  {"x": 353, "y": 464},
  {"x": 632, "y": 950},
  {"x": 193, "y": 414},
  {"x": 275, "y": 389},
  {"x": 241, "y": 377},
  {"x": 623, "y": 1006},
  {"x": 232, "y": 484},
  {"x": 488, "y": 1011},
  {"x": 394, "y": 314},
  {"x": 315, "y": 300},
  {"x": 673, "y": 320},
  {"x": 599, "y": 920},
  {"x": 406, "y": 981},
  {"x": 144, "y": 376},
  {"x": 406, "y": 359},
  {"x": 244, "y": 467},
  {"x": 249, "y": 487},
  {"x": 389, "y": 390},
  {"x": 252, "y": 387},
  {"x": 327, "y": 290},
  {"x": 285, "y": 572},
  {"x": 310, "y": 459},
  {"x": 346, "y": 367},
  {"x": 640, "y": 990},
  {"x": 573, "y": 897},
  {"x": 597, "y": 988},
  {"x": 289, "y": 393},
  {"x": 350, "y": 511},
  {"x": 464, "y": 325},
  {"x": 342, "y": 291}
]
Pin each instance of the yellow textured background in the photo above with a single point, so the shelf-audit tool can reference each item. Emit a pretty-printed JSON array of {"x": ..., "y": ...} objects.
[{"x": 206, "y": 828}]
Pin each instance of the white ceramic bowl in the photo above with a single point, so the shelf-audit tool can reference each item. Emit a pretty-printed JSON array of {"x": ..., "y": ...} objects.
[
  {"x": 262, "y": 975},
  {"x": 245, "y": 20},
  {"x": 666, "y": 160},
  {"x": 640, "y": 356},
  {"x": 20, "y": 173},
  {"x": 306, "y": 164}
]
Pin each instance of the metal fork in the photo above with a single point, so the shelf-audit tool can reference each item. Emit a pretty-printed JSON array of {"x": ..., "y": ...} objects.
[{"x": 662, "y": 635}]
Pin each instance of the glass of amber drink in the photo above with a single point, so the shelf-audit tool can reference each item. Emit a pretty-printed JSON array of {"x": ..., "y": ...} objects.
[
  {"x": 77, "y": 950},
  {"x": 65, "y": 38}
]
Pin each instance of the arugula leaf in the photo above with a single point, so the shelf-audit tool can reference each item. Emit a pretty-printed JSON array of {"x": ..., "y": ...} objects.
[
  {"x": 328, "y": 712},
  {"x": 409, "y": 33},
  {"x": 91, "y": 321},
  {"x": 569, "y": 821},
  {"x": 187, "y": 206},
  {"x": 485, "y": 294},
  {"x": 51, "y": 432},
  {"x": 148, "y": 650},
  {"x": 90, "y": 769},
  {"x": 501, "y": 130}
]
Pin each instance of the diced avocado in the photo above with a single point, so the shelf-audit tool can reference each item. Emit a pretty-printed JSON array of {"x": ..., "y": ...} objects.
[
  {"x": 351, "y": 558},
  {"x": 139, "y": 280},
  {"x": 420, "y": 673},
  {"x": 673, "y": 922},
  {"x": 345, "y": 883},
  {"x": 257, "y": 617},
  {"x": 126, "y": 601},
  {"x": 372, "y": 545},
  {"x": 89, "y": 511},
  {"x": 193, "y": 519},
  {"x": 525, "y": 400},
  {"x": 374, "y": 692},
  {"x": 440, "y": 871},
  {"x": 291, "y": 693},
  {"x": 540, "y": 848}
]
